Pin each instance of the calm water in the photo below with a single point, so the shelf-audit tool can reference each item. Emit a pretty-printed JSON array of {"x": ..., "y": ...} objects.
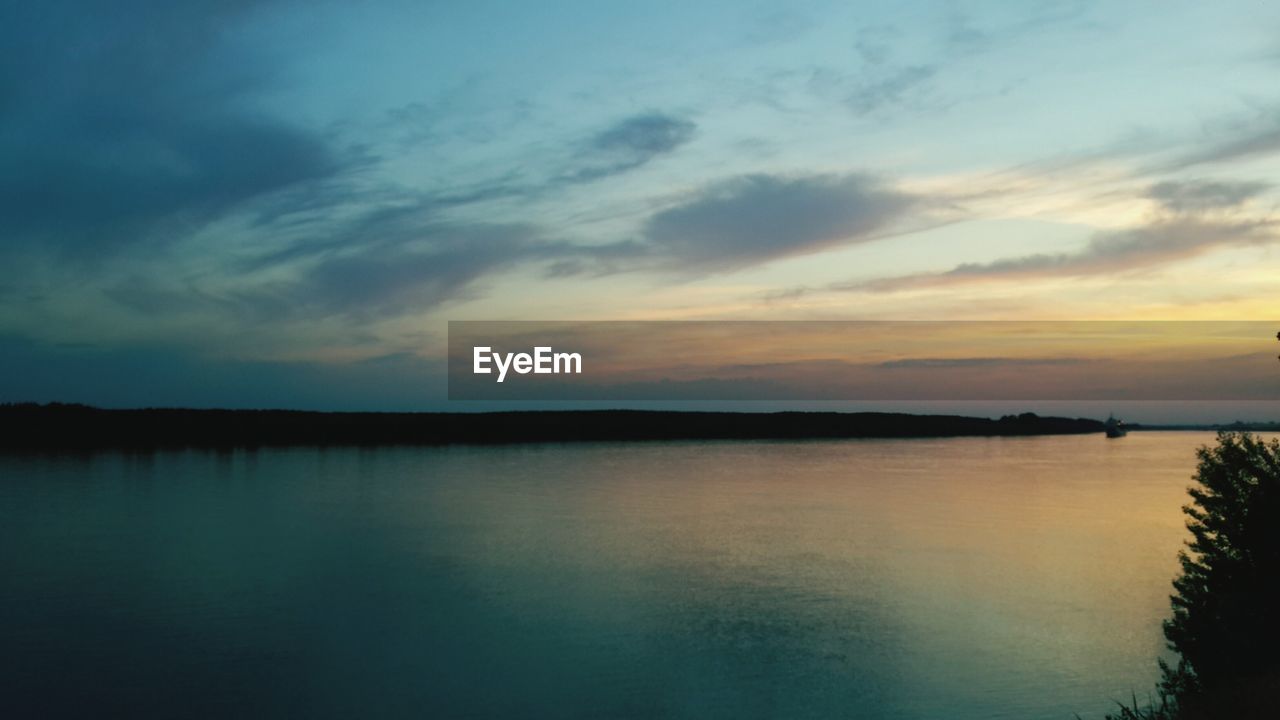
[{"x": 966, "y": 578}]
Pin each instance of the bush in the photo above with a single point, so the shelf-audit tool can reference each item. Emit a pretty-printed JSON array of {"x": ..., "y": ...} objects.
[
  {"x": 1163, "y": 710},
  {"x": 1226, "y": 606}
]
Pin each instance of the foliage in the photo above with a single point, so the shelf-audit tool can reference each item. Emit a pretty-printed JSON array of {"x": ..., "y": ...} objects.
[
  {"x": 1226, "y": 605},
  {"x": 1164, "y": 710},
  {"x": 1225, "y": 623}
]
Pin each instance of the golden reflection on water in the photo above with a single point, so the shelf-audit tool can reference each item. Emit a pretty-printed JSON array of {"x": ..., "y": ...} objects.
[
  {"x": 962, "y": 578},
  {"x": 1009, "y": 567}
]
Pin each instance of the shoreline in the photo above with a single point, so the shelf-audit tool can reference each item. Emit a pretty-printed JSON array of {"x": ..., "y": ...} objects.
[{"x": 76, "y": 427}]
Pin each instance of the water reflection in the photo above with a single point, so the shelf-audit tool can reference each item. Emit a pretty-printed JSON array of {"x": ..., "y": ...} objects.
[{"x": 961, "y": 578}]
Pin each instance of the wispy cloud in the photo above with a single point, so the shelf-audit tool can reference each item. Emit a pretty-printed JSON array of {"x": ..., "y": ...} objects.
[
  {"x": 416, "y": 268},
  {"x": 409, "y": 258},
  {"x": 1107, "y": 253},
  {"x": 1260, "y": 138},
  {"x": 891, "y": 88}
]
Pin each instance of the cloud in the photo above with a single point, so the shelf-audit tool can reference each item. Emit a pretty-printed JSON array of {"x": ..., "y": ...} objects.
[
  {"x": 408, "y": 259},
  {"x": 440, "y": 266},
  {"x": 390, "y": 261},
  {"x": 978, "y": 362},
  {"x": 645, "y": 135},
  {"x": 875, "y": 45},
  {"x": 877, "y": 85},
  {"x": 1244, "y": 144},
  {"x": 449, "y": 267},
  {"x": 1107, "y": 253},
  {"x": 127, "y": 129},
  {"x": 757, "y": 218},
  {"x": 892, "y": 88},
  {"x": 630, "y": 144},
  {"x": 134, "y": 121},
  {"x": 622, "y": 147},
  {"x": 1202, "y": 195},
  {"x": 882, "y": 80}
]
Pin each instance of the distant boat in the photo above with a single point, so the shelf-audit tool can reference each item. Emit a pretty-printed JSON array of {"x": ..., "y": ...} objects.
[{"x": 1115, "y": 427}]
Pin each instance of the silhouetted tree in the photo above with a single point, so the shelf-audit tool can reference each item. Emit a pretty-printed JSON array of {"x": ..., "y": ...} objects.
[{"x": 1226, "y": 608}]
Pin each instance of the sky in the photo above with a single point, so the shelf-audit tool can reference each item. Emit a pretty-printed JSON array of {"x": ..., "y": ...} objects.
[{"x": 283, "y": 203}]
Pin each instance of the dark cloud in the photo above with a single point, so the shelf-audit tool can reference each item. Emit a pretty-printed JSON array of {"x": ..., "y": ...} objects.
[
  {"x": 1110, "y": 252},
  {"x": 125, "y": 121},
  {"x": 625, "y": 146},
  {"x": 389, "y": 223},
  {"x": 129, "y": 125},
  {"x": 439, "y": 267},
  {"x": 758, "y": 218},
  {"x": 387, "y": 262},
  {"x": 646, "y": 135},
  {"x": 1256, "y": 140},
  {"x": 630, "y": 144},
  {"x": 1201, "y": 195},
  {"x": 447, "y": 265},
  {"x": 401, "y": 260},
  {"x": 405, "y": 258}
]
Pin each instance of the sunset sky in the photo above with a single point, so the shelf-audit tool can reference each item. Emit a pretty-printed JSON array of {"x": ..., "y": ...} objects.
[{"x": 282, "y": 203}]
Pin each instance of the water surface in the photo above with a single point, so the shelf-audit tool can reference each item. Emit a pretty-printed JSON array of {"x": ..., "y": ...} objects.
[{"x": 959, "y": 578}]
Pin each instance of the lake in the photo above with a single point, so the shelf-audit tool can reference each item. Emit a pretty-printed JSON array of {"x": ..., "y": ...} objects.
[{"x": 955, "y": 578}]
